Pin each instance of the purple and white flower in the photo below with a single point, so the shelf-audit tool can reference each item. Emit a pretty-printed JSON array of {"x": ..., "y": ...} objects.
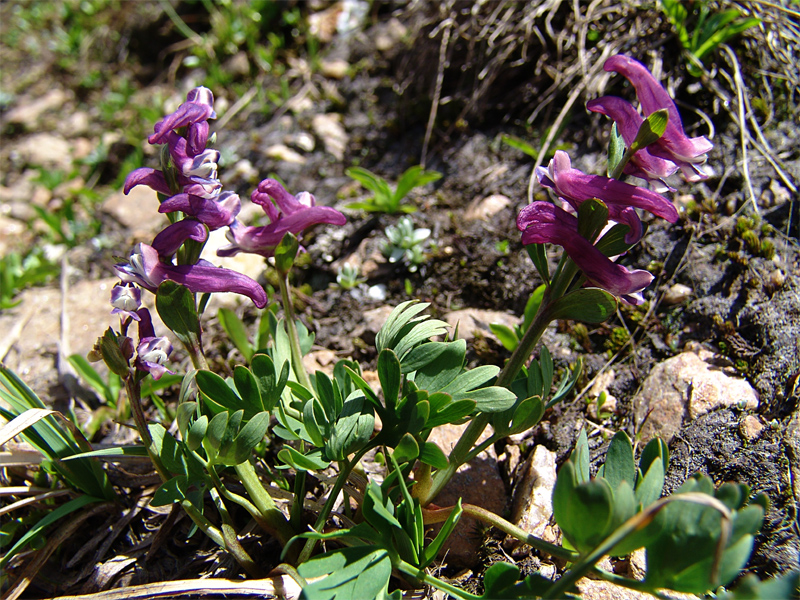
[
  {"x": 151, "y": 354},
  {"x": 126, "y": 299}
]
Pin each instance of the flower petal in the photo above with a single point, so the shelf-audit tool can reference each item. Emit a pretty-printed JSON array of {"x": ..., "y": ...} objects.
[
  {"x": 652, "y": 97},
  {"x": 152, "y": 178},
  {"x": 172, "y": 237},
  {"x": 545, "y": 223},
  {"x": 214, "y": 213}
]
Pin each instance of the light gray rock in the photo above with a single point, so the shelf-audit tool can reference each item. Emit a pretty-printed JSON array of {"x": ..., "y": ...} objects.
[
  {"x": 685, "y": 387},
  {"x": 328, "y": 127},
  {"x": 28, "y": 110},
  {"x": 533, "y": 497},
  {"x": 137, "y": 211},
  {"x": 45, "y": 150},
  {"x": 484, "y": 209},
  {"x": 472, "y": 321}
]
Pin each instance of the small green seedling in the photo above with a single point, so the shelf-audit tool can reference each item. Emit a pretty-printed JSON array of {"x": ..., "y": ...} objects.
[{"x": 386, "y": 199}]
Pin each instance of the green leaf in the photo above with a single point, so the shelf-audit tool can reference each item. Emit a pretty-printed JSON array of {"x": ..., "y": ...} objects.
[
  {"x": 171, "y": 491},
  {"x": 580, "y": 458},
  {"x": 354, "y": 572},
  {"x": 505, "y": 335},
  {"x": 167, "y": 449},
  {"x": 434, "y": 376},
  {"x": 236, "y": 331},
  {"x": 414, "y": 176},
  {"x": 452, "y": 412},
  {"x": 249, "y": 391},
  {"x": 489, "y": 399},
  {"x": 117, "y": 451},
  {"x": 286, "y": 252},
  {"x": 619, "y": 465},
  {"x": 651, "y": 129},
  {"x": 583, "y": 511},
  {"x": 248, "y": 438},
  {"x": 352, "y": 430},
  {"x": 112, "y": 353},
  {"x": 616, "y": 150},
  {"x": 407, "y": 449},
  {"x": 389, "y": 376},
  {"x": 519, "y": 144},
  {"x": 196, "y": 433},
  {"x": 311, "y": 461},
  {"x": 432, "y": 455},
  {"x": 432, "y": 550},
  {"x": 216, "y": 392},
  {"x": 215, "y": 433},
  {"x": 592, "y": 218},
  {"x": 591, "y": 305},
  {"x": 270, "y": 385},
  {"x": 93, "y": 379},
  {"x": 176, "y": 307}
]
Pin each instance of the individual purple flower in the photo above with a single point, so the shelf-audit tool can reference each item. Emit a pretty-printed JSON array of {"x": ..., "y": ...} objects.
[
  {"x": 545, "y": 223},
  {"x": 621, "y": 198},
  {"x": 643, "y": 164},
  {"x": 126, "y": 299},
  {"x": 216, "y": 212},
  {"x": 287, "y": 214},
  {"x": 151, "y": 354},
  {"x": 172, "y": 237},
  {"x": 146, "y": 269},
  {"x": 674, "y": 145},
  {"x": 192, "y": 114},
  {"x": 155, "y": 180}
]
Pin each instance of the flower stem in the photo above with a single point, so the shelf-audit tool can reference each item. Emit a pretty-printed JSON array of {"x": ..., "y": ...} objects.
[
  {"x": 294, "y": 340},
  {"x": 276, "y": 522}
]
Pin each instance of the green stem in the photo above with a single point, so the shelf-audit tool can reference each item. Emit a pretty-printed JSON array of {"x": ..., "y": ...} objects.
[
  {"x": 133, "y": 390},
  {"x": 276, "y": 521},
  {"x": 439, "y": 515},
  {"x": 294, "y": 340},
  {"x": 421, "y": 575},
  {"x": 633, "y": 584}
]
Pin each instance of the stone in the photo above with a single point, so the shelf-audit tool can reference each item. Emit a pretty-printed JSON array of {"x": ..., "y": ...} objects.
[
  {"x": 335, "y": 69},
  {"x": 283, "y": 153},
  {"x": 751, "y": 427},
  {"x": 677, "y": 294},
  {"x": 37, "y": 322},
  {"x": 483, "y": 209},
  {"x": 478, "y": 483},
  {"x": 472, "y": 321},
  {"x": 389, "y": 35},
  {"x": 138, "y": 212},
  {"x": 685, "y": 387},
  {"x": 328, "y": 127},
  {"x": 593, "y": 589},
  {"x": 375, "y": 318},
  {"x": 13, "y": 234},
  {"x": 28, "y": 110},
  {"x": 45, "y": 150},
  {"x": 320, "y": 360},
  {"x": 533, "y": 497}
]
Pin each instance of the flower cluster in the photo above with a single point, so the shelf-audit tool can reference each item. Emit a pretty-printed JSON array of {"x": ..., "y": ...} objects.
[
  {"x": 543, "y": 222},
  {"x": 188, "y": 184}
]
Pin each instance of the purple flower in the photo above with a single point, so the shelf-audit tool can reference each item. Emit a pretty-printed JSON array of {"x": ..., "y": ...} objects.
[
  {"x": 215, "y": 212},
  {"x": 172, "y": 237},
  {"x": 126, "y": 299},
  {"x": 287, "y": 214},
  {"x": 545, "y": 223},
  {"x": 643, "y": 164},
  {"x": 621, "y": 198},
  {"x": 192, "y": 114},
  {"x": 146, "y": 269},
  {"x": 151, "y": 354},
  {"x": 674, "y": 145}
]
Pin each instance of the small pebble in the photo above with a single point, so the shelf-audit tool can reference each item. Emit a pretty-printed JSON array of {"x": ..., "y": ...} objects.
[{"x": 677, "y": 294}]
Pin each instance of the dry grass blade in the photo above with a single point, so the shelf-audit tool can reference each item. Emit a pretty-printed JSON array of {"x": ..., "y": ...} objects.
[
  {"x": 281, "y": 586},
  {"x": 19, "y": 424},
  {"x": 55, "y": 540},
  {"x": 20, "y": 458},
  {"x": 32, "y": 500}
]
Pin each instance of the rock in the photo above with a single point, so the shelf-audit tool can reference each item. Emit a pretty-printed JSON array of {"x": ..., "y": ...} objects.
[
  {"x": 28, "y": 110},
  {"x": 328, "y": 127},
  {"x": 45, "y": 150},
  {"x": 677, "y": 294},
  {"x": 475, "y": 320},
  {"x": 335, "y": 69},
  {"x": 389, "y": 35},
  {"x": 484, "y": 209},
  {"x": 320, "y": 360},
  {"x": 375, "y": 318},
  {"x": 688, "y": 385},
  {"x": 137, "y": 211},
  {"x": 12, "y": 235},
  {"x": 478, "y": 483},
  {"x": 592, "y": 589},
  {"x": 285, "y": 154},
  {"x": 238, "y": 64},
  {"x": 751, "y": 427},
  {"x": 302, "y": 140},
  {"x": 33, "y": 355},
  {"x": 533, "y": 496},
  {"x": 252, "y": 265}
]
